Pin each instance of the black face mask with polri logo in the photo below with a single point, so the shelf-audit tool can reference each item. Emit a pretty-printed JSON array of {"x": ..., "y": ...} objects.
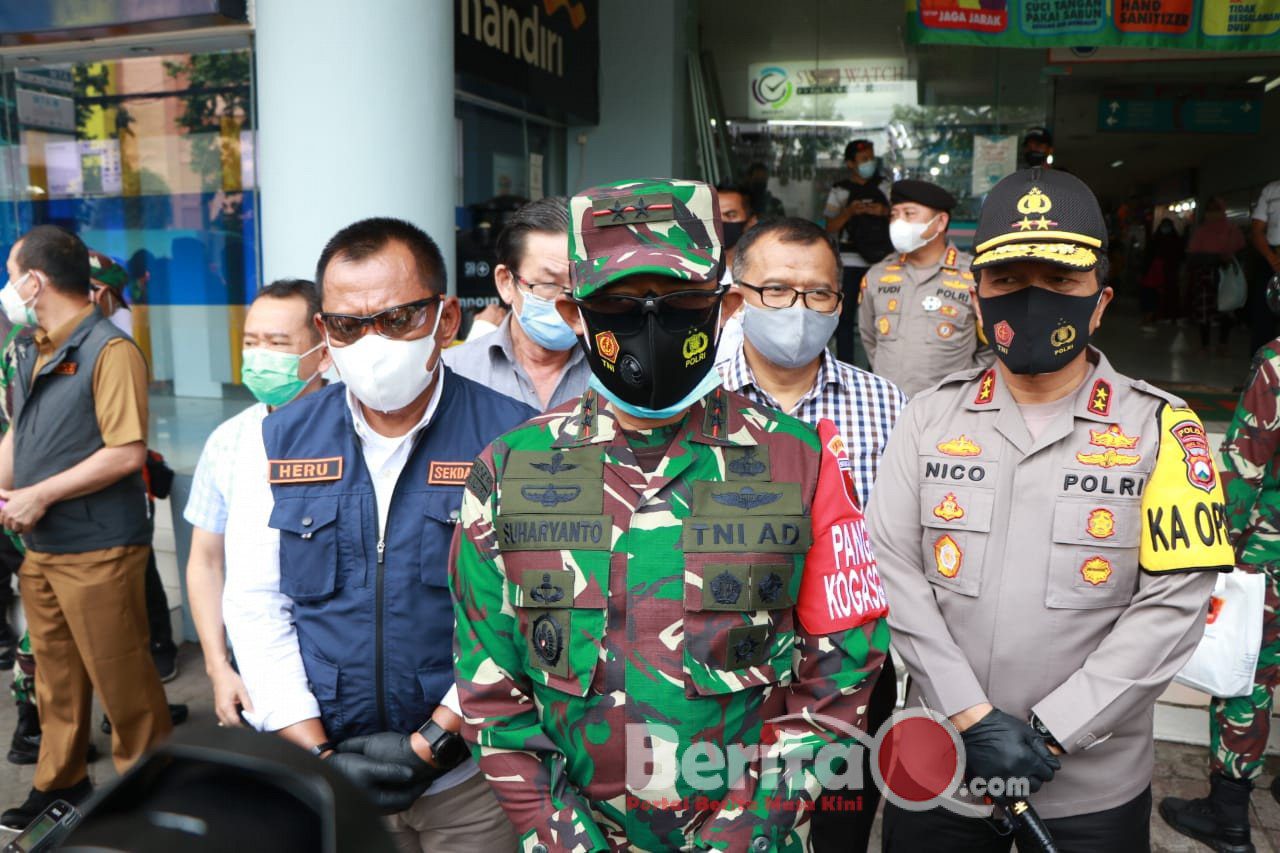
[{"x": 1034, "y": 330}]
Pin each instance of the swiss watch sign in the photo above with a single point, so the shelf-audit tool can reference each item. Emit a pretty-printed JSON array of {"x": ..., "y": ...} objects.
[{"x": 841, "y": 587}]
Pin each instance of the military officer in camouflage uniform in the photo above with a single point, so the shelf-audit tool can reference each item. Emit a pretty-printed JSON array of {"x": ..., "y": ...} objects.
[
  {"x": 649, "y": 573},
  {"x": 1239, "y": 726},
  {"x": 915, "y": 315},
  {"x": 1049, "y": 531}
]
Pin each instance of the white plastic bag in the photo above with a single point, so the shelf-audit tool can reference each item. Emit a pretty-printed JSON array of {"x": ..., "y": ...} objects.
[
  {"x": 1224, "y": 662},
  {"x": 1232, "y": 287}
]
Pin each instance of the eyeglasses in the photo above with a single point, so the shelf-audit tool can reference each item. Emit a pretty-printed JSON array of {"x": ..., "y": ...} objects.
[
  {"x": 394, "y": 322},
  {"x": 676, "y": 312},
  {"x": 548, "y": 290},
  {"x": 820, "y": 299}
]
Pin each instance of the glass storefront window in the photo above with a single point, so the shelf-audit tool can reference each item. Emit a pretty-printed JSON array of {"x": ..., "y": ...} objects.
[{"x": 150, "y": 160}]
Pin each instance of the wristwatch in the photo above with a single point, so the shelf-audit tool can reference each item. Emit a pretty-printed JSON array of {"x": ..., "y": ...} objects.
[
  {"x": 1043, "y": 730},
  {"x": 448, "y": 749}
]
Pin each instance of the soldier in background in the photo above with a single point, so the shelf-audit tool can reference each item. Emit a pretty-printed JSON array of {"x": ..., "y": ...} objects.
[
  {"x": 635, "y": 573},
  {"x": 1239, "y": 726},
  {"x": 1053, "y": 527}
]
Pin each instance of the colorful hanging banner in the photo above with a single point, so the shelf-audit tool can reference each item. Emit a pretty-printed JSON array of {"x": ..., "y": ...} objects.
[{"x": 1235, "y": 25}]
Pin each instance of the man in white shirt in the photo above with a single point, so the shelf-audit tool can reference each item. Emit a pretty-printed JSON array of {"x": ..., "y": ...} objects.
[
  {"x": 1264, "y": 235},
  {"x": 284, "y": 359}
]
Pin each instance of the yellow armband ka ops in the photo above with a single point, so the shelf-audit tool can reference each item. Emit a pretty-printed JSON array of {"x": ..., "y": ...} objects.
[{"x": 1184, "y": 518}]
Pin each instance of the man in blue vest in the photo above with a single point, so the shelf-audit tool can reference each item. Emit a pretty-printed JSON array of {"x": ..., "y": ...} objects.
[{"x": 366, "y": 484}]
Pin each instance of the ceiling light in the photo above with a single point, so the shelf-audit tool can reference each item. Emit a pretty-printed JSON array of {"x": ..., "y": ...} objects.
[
  {"x": 777, "y": 122},
  {"x": 1257, "y": 78},
  {"x": 1049, "y": 160},
  {"x": 1117, "y": 164},
  {"x": 944, "y": 159},
  {"x": 1271, "y": 84},
  {"x": 935, "y": 171}
]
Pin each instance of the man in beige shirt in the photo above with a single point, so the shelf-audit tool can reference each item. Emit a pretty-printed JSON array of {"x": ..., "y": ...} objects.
[{"x": 1047, "y": 531}]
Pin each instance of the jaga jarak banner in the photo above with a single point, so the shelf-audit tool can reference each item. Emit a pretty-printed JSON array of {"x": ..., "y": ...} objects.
[{"x": 1243, "y": 25}]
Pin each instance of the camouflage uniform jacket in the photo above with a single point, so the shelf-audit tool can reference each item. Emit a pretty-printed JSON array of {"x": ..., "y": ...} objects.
[
  {"x": 609, "y": 619},
  {"x": 1251, "y": 463}
]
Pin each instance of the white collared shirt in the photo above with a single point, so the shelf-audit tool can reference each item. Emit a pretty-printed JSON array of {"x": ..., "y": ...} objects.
[{"x": 258, "y": 617}]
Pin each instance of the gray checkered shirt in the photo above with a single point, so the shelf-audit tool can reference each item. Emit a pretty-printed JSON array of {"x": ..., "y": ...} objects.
[{"x": 863, "y": 406}]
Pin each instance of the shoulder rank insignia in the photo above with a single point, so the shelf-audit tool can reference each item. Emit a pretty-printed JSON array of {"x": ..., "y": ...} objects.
[
  {"x": 1096, "y": 570},
  {"x": 1113, "y": 436},
  {"x": 550, "y": 495},
  {"x": 892, "y": 268},
  {"x": 448, "y": 473},
  {"x": 745, "y": 498},
  {"x": 947, "y": 556},
  {"x": 986, "y": 388},
  {"x": 1101, "y": 524},
  {"x": 960, "y": 446},
  {"x": 949, "y": 509},
  {"x": 1100, "y": 398},
  {"x": 305, "y": 470},
  {"x": 890, "y": 279},
  {"x": 949, "y": 259}
]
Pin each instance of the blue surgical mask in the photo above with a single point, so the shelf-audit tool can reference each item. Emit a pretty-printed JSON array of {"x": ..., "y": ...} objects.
[
  {"x": 702, "y": 389},
  {"x": 867, "y": 169},
  {"x": 541, "y": 322}
]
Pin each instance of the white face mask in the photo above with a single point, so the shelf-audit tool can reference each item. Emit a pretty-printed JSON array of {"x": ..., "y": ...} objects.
[
  {"x": 19, "y": 311},
  {"x": 386, "y": 375},
  {"x": 909, "y": 236},
  {"x": 789, "y": 337}
]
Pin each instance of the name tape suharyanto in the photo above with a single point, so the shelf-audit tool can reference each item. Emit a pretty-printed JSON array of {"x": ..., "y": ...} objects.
[{"x": 554, "y": 532}]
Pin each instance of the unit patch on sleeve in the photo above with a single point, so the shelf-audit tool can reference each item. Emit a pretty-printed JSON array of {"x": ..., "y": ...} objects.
[{"x": 304, "y": 470}]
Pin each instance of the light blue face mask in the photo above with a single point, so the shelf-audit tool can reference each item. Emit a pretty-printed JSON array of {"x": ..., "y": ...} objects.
[
  {"x": 867, "y": 169},
  {"x": 702, "y": 389},
  {"x": 541, "y": 322}
]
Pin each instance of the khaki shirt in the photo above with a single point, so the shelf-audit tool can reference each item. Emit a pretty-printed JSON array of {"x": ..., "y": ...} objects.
[
  {"x": 916, "y": 323},
  {"x": 1066, "y": 576},
  {"x": 119, "y": 382}
]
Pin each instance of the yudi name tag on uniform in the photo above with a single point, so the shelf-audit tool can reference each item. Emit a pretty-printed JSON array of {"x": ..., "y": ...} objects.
[{"x": 305, "y": 470}]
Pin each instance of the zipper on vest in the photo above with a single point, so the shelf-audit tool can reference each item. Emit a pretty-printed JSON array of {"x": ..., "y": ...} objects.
[{"x": 379, "y": 687}]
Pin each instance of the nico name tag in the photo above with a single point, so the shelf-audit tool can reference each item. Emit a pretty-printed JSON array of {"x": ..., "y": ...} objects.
[{"x": 305, "y": 470}]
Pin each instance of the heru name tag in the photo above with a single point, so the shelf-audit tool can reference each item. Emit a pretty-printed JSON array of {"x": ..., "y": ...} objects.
[{"x": 305, "y": 470}]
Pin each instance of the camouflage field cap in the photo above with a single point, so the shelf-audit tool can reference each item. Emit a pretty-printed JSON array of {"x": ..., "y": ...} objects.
[
  {"x": 652, "y": 225},
  {"x": 107, "y": 271}
]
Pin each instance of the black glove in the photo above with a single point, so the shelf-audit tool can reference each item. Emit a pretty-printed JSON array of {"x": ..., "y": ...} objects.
[
  {"x": 391, "y": 748},
  {"x": 1003, "y": 747},
  {"x": 389, "y": 786}
]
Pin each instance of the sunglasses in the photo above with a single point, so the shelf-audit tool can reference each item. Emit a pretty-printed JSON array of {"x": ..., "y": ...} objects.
[
  {"x": 675, "y": 312},
  {"x": 395, "y": 322}
]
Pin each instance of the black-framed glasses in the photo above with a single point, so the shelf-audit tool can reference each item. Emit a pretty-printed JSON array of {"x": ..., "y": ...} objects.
[
  {"x": 547, "y": 290},
  {"x": 824, "y": 300},
  {"x": 395, "y": 322},
  {"x": 676, "y": 312}
]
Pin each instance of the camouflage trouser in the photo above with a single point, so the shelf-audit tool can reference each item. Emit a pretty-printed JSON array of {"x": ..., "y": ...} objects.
[
  {"x": 24, "y": 671},
  {"x": 1238, "y": 727}
]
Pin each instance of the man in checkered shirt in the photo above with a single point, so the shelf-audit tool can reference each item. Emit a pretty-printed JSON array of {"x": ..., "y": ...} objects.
[{"x": 789, "y": 273}]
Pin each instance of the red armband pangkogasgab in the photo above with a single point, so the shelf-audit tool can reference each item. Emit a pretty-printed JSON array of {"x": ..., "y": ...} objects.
[{"x": 841, "y": 587}]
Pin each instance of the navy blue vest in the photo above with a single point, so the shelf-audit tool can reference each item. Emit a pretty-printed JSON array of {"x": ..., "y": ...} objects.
[{"x": 375, "y": 625}]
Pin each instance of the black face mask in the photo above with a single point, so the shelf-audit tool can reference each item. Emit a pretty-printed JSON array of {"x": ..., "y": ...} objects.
[
  {"x": 732, "y": 233},
  {"x": 1035, "y": 158},
  {"x": 1034, "y": 330},
  {"x": 649, "y": 366}
]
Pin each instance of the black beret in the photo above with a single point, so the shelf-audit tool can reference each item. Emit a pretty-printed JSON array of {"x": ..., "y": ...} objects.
[{"x": 922, "y": 192}]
